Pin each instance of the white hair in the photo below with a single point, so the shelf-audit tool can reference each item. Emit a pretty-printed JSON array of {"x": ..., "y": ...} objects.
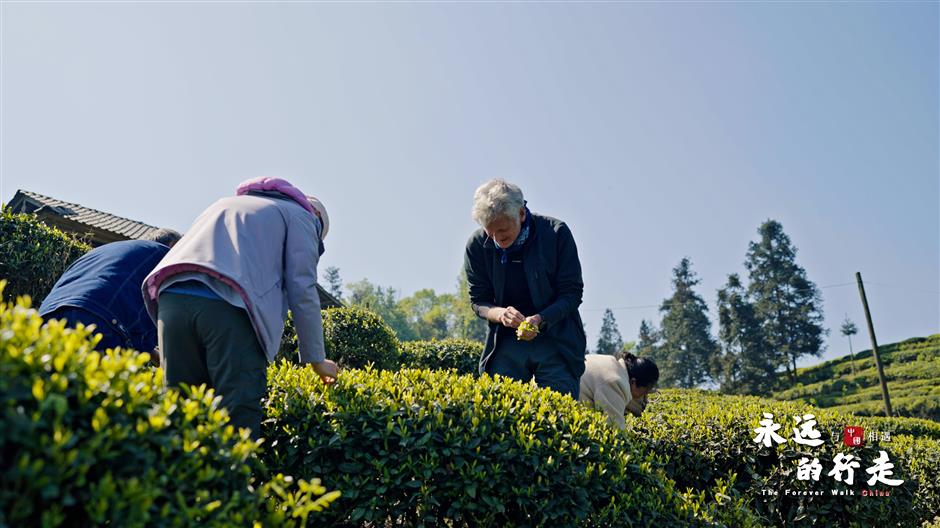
[{"x": 496, "y": 198}]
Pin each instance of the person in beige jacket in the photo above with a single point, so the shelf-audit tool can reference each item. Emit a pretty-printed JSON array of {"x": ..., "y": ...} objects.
[{"x": 616, "y": 386}]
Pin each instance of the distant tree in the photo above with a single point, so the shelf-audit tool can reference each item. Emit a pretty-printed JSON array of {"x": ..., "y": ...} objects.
[
  {"x": 384, "y": 302},
  {"x": 430, "y": 316},
  {"x": 609, "y": 341},
  {"x": 468, "y": 325},
  {"x": 647, "y": 344},
  {"x": 787, "y": 304},
  {"x": 334, "y": 284},
  {"x": 744, "y": 366},
  {"x": 848, "y": 330},
  {"x": 425, "y": 314},
  {"x": 687, "y": 349}
]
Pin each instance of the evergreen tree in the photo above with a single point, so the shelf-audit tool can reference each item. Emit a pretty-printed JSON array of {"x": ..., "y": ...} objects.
[
  {"x": 647, "y": 344},
  {"x": 744, "y": 366},
  {"x": 609, "y": 342},
  {"x": 848, "y": 330},
  {"x": 334, "y": 284},
  {"x": 787, "y": 304},
  {"x": 687, "y": 349}
]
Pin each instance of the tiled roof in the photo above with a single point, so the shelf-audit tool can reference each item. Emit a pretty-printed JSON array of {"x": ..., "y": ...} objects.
[
  {"x": 123, "y": 228},
  {"x": 91, "y": 217}
]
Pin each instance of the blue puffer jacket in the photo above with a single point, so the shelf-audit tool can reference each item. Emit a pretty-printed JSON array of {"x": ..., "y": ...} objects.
[{"x": 106, "y": 282}]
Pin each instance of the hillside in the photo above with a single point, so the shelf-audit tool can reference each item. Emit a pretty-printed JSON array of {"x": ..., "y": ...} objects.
[{"x": 849, "y": 385}]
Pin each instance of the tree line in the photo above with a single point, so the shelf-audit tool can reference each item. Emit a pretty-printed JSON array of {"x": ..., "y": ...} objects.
[
  {"x": 424, "y": 315},
  {"x": 764, "y": 325}
]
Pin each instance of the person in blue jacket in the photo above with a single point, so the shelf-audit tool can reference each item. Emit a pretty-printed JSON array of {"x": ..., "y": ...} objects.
[{"x": 102, "y": 288}]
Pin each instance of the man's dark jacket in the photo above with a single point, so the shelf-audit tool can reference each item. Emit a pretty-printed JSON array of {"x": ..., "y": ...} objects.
[
  {"x": 553, "y": 273},
  {"x": 106, "y": 282}
]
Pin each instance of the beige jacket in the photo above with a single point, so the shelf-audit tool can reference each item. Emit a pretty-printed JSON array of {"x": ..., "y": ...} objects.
[{"x": 605, "y": 385}]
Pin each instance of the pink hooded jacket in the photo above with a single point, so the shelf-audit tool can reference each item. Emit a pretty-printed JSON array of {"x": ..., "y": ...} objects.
[{"x": 266, "y": 248}]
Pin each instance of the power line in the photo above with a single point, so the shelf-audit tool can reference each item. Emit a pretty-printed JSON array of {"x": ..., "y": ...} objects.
[
  {"x": 714, "y": 304},
  {"x": 645, "y": 306},
  {"x": 836, "y": 285},
  {"x": 902, "y": 288}
]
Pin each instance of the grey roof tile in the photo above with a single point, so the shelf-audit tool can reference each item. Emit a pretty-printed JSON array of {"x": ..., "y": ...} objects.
[{"x": 95, "y": 218}]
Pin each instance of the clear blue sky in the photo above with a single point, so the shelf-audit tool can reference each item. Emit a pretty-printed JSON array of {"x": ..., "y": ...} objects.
[{"x": 656, "y": 131}]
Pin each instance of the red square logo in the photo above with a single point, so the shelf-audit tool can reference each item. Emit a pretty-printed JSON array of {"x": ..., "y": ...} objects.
[{"x": 853, "y": 436}]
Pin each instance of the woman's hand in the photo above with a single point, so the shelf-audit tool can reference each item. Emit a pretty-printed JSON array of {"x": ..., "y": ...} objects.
[
  {"x": 327, "y": 370},
  {"x": 637, "y": 406}
]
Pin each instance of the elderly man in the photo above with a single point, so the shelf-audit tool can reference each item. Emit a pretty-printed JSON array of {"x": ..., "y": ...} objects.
[
  {"x": 102, "y": 288},
  {"x": 221, "y": 295},
  {"x": 524, "y": 267}
]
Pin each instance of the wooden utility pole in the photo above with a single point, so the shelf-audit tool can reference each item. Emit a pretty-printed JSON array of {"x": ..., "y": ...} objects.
[{"x": 874, "y": 345}]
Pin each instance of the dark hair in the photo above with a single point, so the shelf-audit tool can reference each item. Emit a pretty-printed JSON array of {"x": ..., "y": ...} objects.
[
  {"x": 167, "y": 237},
  {"x": 644, "y": 370}
]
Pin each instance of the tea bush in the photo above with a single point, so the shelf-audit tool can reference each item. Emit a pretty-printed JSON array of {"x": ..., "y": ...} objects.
[
  {"x": 922, "y": 458},
  {"x": 432, "y": 448},
  {"x": 461, "y": 355},
  {"x": 850, "y": 384},
  {"x": 701, "y": 436},
  {"x": 33, "y": 256},
  {"x": 916, "y": 427},
  {"x": 89, "y": 438},
  {"x": 354, "y": 337}
]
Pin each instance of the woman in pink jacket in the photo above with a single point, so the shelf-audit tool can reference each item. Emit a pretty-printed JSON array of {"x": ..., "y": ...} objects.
[{"x": 220, "y": 296}]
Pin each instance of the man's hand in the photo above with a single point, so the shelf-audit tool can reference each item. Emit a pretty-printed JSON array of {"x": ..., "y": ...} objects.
[
  {"x": 327, "y": 370},
  {"x": 508, "y": 317},
  {"x": 535, "y": 321}
]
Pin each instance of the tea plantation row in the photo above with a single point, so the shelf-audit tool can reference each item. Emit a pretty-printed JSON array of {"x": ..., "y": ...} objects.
[
  {"x": 90, "y": 439},
  {"x": 850, "y": 384}
]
